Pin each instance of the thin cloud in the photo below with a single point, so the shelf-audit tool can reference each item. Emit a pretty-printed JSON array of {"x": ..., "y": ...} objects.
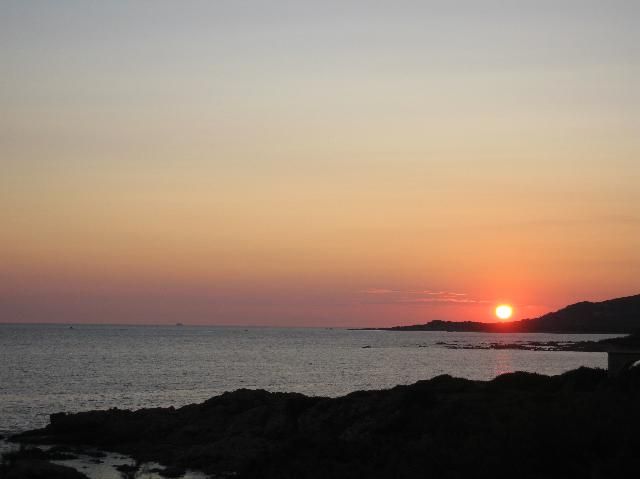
[
  {"x": 378, "y": 291},
  {"x": 429, "y": 292},
  {"x": 441, "y": 300},
  {"x": 399, "y": 296}
]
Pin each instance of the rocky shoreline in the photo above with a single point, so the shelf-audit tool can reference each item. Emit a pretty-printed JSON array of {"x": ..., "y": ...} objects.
[
  {"x": 604, "y": 345},
  {"x": 35, "y": 463},
  {"x": 578, "y": 424}
]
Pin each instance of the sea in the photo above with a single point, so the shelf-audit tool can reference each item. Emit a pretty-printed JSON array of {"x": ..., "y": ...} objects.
[{"x": 48, "y": 368}]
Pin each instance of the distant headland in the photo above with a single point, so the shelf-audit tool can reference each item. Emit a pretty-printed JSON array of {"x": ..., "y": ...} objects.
[{"x": 615, "y": 316}]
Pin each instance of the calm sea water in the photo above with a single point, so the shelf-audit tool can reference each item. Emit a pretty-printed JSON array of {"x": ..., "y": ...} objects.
[{"x": 51, "y": 368}]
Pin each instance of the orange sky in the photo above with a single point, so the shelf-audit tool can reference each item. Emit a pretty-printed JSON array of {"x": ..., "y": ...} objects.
[{"x": 316, "y": 165}]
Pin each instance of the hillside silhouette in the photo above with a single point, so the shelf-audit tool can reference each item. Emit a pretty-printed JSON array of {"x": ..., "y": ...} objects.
[{"x": 620, "y": 315}]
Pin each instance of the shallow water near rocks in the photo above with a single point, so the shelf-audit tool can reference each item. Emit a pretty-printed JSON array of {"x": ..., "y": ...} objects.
[
  {"x": 104, "y": 467},
  {"x": 107, "y": 468}
]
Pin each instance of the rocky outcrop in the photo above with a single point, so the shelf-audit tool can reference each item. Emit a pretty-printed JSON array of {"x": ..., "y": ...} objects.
[
  {"x": 630, "y": 342},
  {"x": 579, "y": 424},
  {"x": 34, "y": 463}
]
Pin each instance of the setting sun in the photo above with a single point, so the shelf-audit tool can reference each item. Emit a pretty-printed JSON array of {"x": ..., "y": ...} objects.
[{"x": 504, "y": 311}]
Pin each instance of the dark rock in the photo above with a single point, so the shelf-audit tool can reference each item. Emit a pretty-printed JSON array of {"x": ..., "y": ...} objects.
[
  {"x": 94, "y": 454},
  {"x": 578, "y": 424},
  {"x": 32, "y": 464},
  {"x": 60, "y": 453},
  {"x": 41, "y": 470},
  {"x": 170, "y": 472},
  {"x": 128, "y": 471},
  {"x": 126, "y": 468}
]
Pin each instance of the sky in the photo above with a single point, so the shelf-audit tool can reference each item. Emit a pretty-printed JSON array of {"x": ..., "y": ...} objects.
[{"x": 335, "y": 163}]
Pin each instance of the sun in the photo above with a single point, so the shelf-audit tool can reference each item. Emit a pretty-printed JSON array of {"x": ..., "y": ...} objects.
[{"x": 504, "y": 312}]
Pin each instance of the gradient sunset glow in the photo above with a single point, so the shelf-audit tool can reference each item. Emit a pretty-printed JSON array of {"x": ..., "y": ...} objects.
[{"x": 316, "y": 163}]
